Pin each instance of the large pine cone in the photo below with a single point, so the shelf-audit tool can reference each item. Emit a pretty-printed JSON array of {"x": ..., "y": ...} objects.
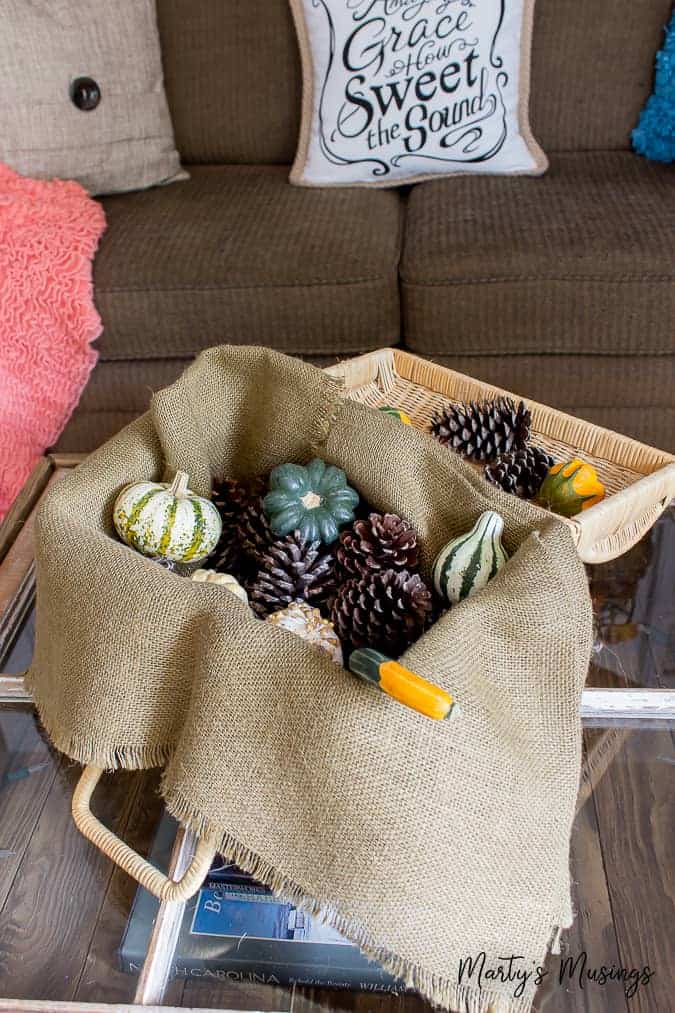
[
  {"x": 385, "y": 610},
  {"x": 231, "y": 498},
  {"x": 254, "y": 533},
  {"x": 380, "y": 542},
  {"x": 521, "y": 472},
  {"x": 483, "y": 431},
  {"x": 293, "y": 569}
]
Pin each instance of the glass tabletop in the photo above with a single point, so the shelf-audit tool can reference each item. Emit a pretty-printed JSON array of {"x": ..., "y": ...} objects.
[{"x": 634, "y": 608}]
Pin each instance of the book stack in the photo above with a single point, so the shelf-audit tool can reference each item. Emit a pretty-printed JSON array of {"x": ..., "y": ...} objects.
[{"x": 236, "y": 929}]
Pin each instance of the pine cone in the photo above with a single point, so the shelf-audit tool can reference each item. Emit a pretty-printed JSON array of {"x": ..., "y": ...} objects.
[
  {"x": 482, "y": 431},
  {"x": 520, "y": 472},
  {"x": 254, "y": 533},
  {"x": 385, "y": 610},
  {"x": 293, "y": 569},
  {"x": 381, "y": 542},
  {"x": 231, "y": 498}
]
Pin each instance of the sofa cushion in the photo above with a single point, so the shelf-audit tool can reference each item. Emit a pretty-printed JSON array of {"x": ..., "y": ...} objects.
[
  {"x": 233, "y": 79},
  {"x": 579, "y": 261},
  {"x": 81, "y": 94},
  {"x": 233, "y": 75},
  {"x": 236, "y": 254},
  {"x": 592, "y": 70},
  {"x": 631, "y": 394},
  {"x": 391, "y": 100}
]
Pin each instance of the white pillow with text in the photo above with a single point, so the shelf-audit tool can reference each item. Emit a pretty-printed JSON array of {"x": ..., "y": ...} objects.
[{"x": 397, "y": 91}]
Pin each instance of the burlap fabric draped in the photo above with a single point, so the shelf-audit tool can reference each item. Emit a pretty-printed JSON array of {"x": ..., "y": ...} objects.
[{"x": 425, "y": 842}]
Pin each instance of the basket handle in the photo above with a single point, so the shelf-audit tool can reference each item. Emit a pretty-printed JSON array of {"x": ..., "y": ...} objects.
[
  {"x": 627, "y": 516},
  {"x": 126, "y": 858}
]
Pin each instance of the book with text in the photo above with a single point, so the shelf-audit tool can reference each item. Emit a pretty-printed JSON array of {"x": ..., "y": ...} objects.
[{"x": 236, "y": 929}]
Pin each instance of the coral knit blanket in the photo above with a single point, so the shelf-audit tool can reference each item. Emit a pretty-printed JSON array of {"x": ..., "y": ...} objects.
[{"x": 49, "y": 232}]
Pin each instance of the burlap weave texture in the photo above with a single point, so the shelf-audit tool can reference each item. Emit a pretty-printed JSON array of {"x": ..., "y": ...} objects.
[{"x": 426, "y": 842}]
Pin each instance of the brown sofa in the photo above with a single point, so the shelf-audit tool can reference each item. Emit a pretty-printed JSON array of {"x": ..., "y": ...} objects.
[{"x": 559, "y": 287}]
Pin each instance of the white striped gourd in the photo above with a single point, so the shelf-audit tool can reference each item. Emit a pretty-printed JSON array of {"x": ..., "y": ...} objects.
[
  {"x": 467, "y": 563},
  {"x": 167, "y": 520}
]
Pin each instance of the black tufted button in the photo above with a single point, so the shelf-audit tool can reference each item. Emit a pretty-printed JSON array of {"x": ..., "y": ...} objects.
[{"x": 85, "y": 93}]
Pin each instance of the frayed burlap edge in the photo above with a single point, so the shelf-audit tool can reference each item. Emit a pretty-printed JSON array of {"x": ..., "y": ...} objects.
[
  {"x": 83, "y": 750},
  {"x": 439, "y": 991}
]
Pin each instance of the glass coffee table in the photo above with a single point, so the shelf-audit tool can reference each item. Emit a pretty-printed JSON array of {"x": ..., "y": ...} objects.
[{"x": 65, "y": 909}]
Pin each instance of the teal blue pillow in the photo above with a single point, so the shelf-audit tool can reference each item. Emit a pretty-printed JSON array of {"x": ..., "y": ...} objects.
[{"x": 654, "y": 136}]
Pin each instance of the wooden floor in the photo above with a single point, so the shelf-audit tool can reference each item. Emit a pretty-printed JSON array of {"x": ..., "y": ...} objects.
[{"x": 63, "y": 908}]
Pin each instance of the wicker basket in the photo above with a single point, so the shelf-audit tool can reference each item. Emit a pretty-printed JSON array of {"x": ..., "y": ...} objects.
[{"x": 640, "y": 481}]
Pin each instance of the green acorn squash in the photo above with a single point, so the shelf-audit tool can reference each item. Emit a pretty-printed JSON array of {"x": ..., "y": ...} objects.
[{"x": 315, "y": 500}]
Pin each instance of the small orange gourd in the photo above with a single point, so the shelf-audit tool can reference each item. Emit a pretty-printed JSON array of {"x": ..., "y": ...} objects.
[{"x": 570, "y": 487}]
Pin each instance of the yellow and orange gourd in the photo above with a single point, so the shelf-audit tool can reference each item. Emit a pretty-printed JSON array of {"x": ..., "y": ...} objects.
[
  {"x": 570, "y": 487},
  {"x": 403, "y": 685},
  {"x": 397, "y": 413}
]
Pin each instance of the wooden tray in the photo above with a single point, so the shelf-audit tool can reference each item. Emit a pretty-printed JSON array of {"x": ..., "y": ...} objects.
[{"x": 640, "y": 481}]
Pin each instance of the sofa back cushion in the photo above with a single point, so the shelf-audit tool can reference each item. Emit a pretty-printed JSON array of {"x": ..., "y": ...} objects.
[
  {"x": 592, "y": 70},
  {"x": 233, "y": 79}
]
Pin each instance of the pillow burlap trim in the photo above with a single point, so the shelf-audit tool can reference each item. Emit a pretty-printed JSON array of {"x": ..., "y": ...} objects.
[{"x": 423, "y": 842}]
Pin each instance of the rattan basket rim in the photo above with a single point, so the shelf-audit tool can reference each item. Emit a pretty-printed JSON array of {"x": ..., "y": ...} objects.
[{"x": 644, "y": 477}]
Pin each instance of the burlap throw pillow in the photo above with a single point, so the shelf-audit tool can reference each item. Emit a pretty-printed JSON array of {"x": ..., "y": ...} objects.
[
  {"x": 82, "y": 94},
  {"x": 425, "y": 842},
  {"x": 397, "y": 91}
]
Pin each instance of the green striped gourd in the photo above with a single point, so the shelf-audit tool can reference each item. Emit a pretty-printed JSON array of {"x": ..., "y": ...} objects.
[
  {"x": 167, "y": 520},
  {"x": 467, "y": 563}
]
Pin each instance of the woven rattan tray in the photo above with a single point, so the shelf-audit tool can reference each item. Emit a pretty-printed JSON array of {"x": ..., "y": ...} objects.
[{"x": 639, "y": 480}]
